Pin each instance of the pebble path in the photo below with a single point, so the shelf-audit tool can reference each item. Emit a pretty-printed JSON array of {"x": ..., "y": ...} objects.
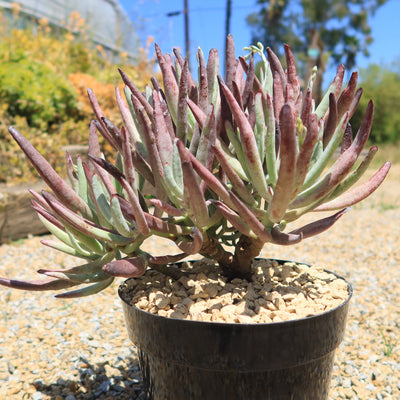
[{"x": 79, "y": 350}]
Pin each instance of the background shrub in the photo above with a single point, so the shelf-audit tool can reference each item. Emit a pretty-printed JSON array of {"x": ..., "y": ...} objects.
[
  {"x": 382, "y": 84},
  {"x": 44, "y": 78}
]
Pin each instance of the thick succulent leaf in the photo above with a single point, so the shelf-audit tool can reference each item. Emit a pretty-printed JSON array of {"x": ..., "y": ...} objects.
[
  {"x": 87, "y": 268},
  {"x": 60, "y": 188},
  {"x": 82, "y": 225},
  {"x": 133, "y": 198},
  {"x": 127, "y": 118},
  {"x": 88, "y": 290},
  {"x": 127, "y": 267},
  {"x": 236, "y": 181},
  {"x": 234, "y": 218},
  {"x": 305, "y": 154},
  {"x": 317, "y": 227},
  {"x": 194, "y": 198},
  {"x": 285, "y": 239},
  {"x": 137, "y": 93},
  {"x": 168, "y": 208},
  {"x": 249, "y": 145},
  {"x": 287, "y": 169},
  {"x": 203, "y": 81},
  {"x": 340, "y": 168},
  {"x": 64, "y": 248},
  {"x": 193, "y": 246},
  {"x": 170, "y": 85},
  {"x": 358, "y": 193},
  {"x": 212, "y": 181},
  {"x": 48, "y": 284},
  {"x": 324, "y": 158},
  {"x": 263, "y": 233},
  {"x": 347, "y": 96},
  {"x": 335, "y": 87}
]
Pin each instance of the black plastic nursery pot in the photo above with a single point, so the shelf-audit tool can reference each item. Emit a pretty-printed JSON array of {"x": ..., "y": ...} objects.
[{"x": 195, "y": 360}]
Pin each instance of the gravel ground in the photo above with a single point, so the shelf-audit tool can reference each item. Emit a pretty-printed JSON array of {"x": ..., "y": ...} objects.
[{"x": 78, "y": 349}]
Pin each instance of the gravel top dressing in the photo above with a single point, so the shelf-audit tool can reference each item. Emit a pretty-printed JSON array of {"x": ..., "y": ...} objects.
[
  {"x": 276, "y": 293},
  {"x": 54, "y": 349}
]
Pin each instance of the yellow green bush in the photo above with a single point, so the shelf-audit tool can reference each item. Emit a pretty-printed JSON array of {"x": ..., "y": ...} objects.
[{"x": 44, "y": 77}]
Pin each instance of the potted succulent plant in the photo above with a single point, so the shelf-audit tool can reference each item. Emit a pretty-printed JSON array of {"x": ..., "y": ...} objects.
[{"x": 228, "y": 164}]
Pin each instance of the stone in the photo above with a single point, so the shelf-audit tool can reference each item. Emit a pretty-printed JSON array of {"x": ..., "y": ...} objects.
[{"x": 17, "y": 217}]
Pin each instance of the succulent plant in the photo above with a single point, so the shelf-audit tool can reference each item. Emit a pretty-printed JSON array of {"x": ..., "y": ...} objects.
[{"x": 230, "y": 163}]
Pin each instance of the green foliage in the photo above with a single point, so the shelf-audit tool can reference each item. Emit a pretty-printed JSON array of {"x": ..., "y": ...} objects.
[
  {"x": 32, "y": 90},
  {"x": 342, "y": 27},
  {"x": 43, "y": 81},
  {"x": 382, "y": 83}
]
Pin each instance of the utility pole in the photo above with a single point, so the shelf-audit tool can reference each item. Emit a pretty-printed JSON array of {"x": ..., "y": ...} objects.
[
  {"x": 228, "y": 13},
  {"x": 187, "y": 40}
]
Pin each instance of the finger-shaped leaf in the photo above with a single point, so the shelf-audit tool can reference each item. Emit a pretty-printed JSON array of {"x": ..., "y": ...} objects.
[
  {"x": 127, "y": 267},
  {"x": 205, "y": 152},
  {"x": 68, "y": 249},
  {"x": 335, "y": 87},
  {"x": 137, "y": 93},
  {"x": 285, "y": 239},
  {"x": 82, "y": 225},
  {"x": 358, "y": 193},
  {"x": 94, "y": 145},
  {"x": 324, "y": 158},
  {"x": 230, "y": 61},
  {"x": 263, "y": 233},
  {"x": 317, "y": 227},
  {"x": 60, "y": 188},
  {"x": 249, "y": 145},
  {"x": 194, "y": 198},
  {"x": 87, "y": 268},
  {"x": 203, "y": 81},
  {"x": 331, "y": 121},
  {"x": 78, "y": 278},
  {"x": 162, "y": 136},
  {"x": 270, "y": 147},
  {"x": 231, "y": 159},
  {"x": 48, "y": 284},
  {"x": 87, "y": 291},
  {"x": 127, "y": 118},
  {"x": 154, "y": 156},
  {"x": 198, "y": 113},
  {"x": 340, "y": 168},
  {"x": 170, "y": 84},
  {"x": 305, "y": 154},
  {"x": 306, "y": 109},
  {"x": 292, "y": 77},
  {"x": 212, "y": 82},
  {"x": 237, "y": 183},
  {"x": 168, "y": 208},
  {"x": 212, "y": 182},
  {"x": 249, "y": 82},
  {"x": 156, "y": 225},
  {"x": 137, "y": 209},
  {"x": 191, "y": 247},
  {"x": 276, "y": 68},
  {"x": 347, "y": 96},
  {"x": 279, "y": 95},
  {"x": 106, "y": 135},
  {"x": 71, "y": 171},
  {"x": 287, "y": 169},
  {"x": 236, "y": 221},
  {"x": 168, "y": 259},
  {"x": 182, "y": 111},
  {"x": 118, "y": 219}
]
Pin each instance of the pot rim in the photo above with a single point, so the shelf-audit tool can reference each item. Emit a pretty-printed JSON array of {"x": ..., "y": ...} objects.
[{"x": 236, "y": 324}]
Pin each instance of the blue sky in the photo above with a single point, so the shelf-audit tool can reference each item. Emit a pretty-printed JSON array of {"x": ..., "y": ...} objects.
[{"x": 207, "y": 18}]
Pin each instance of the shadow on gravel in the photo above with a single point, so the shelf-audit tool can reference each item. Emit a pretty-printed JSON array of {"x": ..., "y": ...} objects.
[{"x": 97, "y": 382}]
